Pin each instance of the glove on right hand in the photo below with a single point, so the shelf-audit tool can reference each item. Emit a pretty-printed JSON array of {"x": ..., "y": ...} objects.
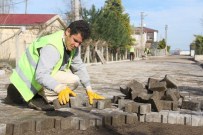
[{"x": 63, "y": 95}]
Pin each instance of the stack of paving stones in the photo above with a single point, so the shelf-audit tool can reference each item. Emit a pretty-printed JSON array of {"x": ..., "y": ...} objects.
[
  {"x": 161, "y": 101},
  {"x": 157, "y": 101}
]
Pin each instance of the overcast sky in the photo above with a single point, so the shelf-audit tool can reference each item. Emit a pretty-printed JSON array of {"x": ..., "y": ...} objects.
[{"x": 183, "y": 17}]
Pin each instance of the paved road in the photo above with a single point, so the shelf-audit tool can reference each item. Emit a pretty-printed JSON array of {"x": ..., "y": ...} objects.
[{"x": 107, "y": 78}]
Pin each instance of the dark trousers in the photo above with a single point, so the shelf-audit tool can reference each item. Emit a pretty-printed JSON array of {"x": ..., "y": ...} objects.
[
  {"x": 132, "y": 55},
  {"x": 13, "y": 95}
]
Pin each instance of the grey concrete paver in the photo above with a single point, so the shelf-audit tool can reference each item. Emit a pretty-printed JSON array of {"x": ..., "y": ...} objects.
[{"x": 106, "y": 80}]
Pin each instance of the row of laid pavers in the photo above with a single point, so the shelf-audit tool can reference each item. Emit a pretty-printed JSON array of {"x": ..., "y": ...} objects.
[{"x": 97, "y": 117}]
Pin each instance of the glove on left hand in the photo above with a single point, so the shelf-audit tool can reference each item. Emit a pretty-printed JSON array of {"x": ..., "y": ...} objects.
[{"x": 92, "y": 95}]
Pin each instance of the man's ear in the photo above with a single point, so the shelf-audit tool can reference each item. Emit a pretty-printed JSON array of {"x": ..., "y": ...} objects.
[{"x": 67, "y": 32}]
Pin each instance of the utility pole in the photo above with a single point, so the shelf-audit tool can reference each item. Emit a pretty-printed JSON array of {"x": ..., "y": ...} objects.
[
  {"x": 166, "y": 28},
  {"x": 75, "y": 6},
  {"x": 26, "y": 6},
  {"x": 141, "y": 31}
]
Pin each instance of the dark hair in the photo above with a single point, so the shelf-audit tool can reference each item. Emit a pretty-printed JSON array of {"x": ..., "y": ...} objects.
[{"x": 81, "y": 27}]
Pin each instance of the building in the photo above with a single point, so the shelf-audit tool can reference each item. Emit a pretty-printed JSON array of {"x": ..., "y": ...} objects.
[
  {"x": 17, "y": 31},
  {"x": 149, "y": 36}
]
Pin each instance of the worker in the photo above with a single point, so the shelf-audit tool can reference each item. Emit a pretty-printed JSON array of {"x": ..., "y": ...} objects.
[
  {"x": 146, "y": 51},
  {"x": 132, "y": 53},
  {"x": 51, "y": 68}
]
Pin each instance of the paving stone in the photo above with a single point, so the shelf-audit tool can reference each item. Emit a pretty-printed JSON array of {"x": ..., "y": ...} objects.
[
  {"x": 117, "y": 119},
  {"x": 153, "y": 117},
  {"x": 191, "y": 105},
  {"x": 184, "y": 93},
  {"x": 151, "y": 82},
  {"x": 92, "y": 122},
  {"x": 145, "y": 108},
  {"x": 169, "y": 105},
  {"x": 155, "y": 102},
  {"x": 195, "y": 120},
  {"x": 102, "y": 104},
  {"x": 66, "y": 123},
  {"x": 201, "y": 121},
  {"x": 158, "y": 86},
  {"x": 18, "y": 129},
  {"x": 57, "y": 105},
  {"x": 84, "y": 123},
  {"x": 75, "y": 123},
  {"x": 107, "y": 119},
  {"x": 171, "y": 95},
  {"x": 100, "y": 122},
  {"x": 122, "y": 103},
  {"x": 116, "y": 98},
  {"x": 9, "y": 129},
  {"x": 149, "y": 117},
  {"x": 57, "y": 123},
  {"x": 180, "y": 119},
  {"x": 131, "y": 118},
  {"x": 166, "y": 105},
  {"x": 25, "y": 126},
  {"x": 44, "y": 124},
  {"x": 128, "y": 108},
  {"x": 135, "y": 88},
  {"x": 75, "y": 102},
  {"x": 201, "y": 103},
  {"x": 141, "y": 117},
  {"x": 2, "y": 129},
  {"x": 136, "y": 107},
  {"x": 143, "y": 97},
  {"x": 188, "y": 119},
  {"x": 172, "y": 117},
  {"x": 134, "y": 85},
  {"x": 132, "y": 107},
  {"x": 164, "y": 116},
  {"x": 171, "y": 81}
]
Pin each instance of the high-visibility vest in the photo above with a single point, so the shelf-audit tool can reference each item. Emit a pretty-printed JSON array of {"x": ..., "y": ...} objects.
[
  {"x": 23, "y": 76},
  {"x": 132, "y": 49}
]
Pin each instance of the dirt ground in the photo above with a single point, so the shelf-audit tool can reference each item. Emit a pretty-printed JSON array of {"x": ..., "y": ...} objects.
[{"x": 135, "y": 129}]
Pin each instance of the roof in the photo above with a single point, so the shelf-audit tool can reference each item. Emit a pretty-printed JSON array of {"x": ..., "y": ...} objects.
[
  {"x": 24, "y": 19},
  {"x": 146, "y": 30}
]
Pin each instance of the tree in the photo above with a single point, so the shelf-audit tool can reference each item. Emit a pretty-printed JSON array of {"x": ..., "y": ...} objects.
[
  {"x": 198, "y": 44},
  {"x": 91, "y": 16},
  {"x": 109, "y": 25},
  {"x": 162, "y": 44},
  {"x": 114, "y": 25}
]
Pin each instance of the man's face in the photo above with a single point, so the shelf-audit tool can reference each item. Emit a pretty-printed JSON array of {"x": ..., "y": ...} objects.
[{"x": 72, "y": 41}]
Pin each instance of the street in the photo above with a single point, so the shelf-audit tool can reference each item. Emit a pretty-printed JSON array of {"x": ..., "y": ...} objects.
[{"x": 106, "y": 79}]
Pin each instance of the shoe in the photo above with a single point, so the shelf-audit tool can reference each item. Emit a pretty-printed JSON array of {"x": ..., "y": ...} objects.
[
  {"x": 13, "y": 96},
  {"x": 40, "y": 104}
]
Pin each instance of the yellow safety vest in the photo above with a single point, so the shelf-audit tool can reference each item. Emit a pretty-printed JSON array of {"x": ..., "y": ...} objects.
[{"x": 23, "y": 76}]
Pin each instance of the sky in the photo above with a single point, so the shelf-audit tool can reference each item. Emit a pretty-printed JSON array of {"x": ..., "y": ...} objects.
[{"x": 184, "y": 18}]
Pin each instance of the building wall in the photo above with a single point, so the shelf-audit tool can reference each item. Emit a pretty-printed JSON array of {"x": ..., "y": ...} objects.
[
  {"x": 152, "y": 37},
  {"x": 15, "y": 44}
]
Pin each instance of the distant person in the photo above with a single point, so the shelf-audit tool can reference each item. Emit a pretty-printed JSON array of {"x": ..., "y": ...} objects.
[
  {"x": 146, "y": 51},
  {"x": 51, "y": 68},
  {"x": 132, "y": 53}
]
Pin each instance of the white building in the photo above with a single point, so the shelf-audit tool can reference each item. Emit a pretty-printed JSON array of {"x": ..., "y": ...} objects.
[{"x": 149, "y": 36}]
